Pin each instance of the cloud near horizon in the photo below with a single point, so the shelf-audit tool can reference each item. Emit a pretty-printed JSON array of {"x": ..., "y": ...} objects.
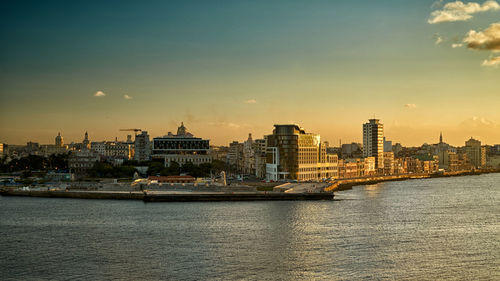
[
  {"x": 488, "y": 40},
  {"x": 127, "y": 97},
  {"x": 251, "y": 101},
  {"x": 99, "y": 94},
  {"x": 410, "y": 105},
  {"x": 459, "y": 11},
  {"x": 495, "y": 61}
]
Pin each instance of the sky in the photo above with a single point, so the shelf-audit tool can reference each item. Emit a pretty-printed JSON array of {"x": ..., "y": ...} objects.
[{"x": 229, "y": 68}]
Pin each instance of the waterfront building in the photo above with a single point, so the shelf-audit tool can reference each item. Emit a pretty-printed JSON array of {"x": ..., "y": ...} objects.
[
  {"x": 80, "y": 162},
  {"x": 493, "y": 161},
  {"x": 293, "y": 154},
  {"x": 142, "y": 147},
  {"x": 389, "y": 163},
  {"x": 373, "y": 142},
  {"x": 260, "y": 158},
  {"x": 1, "y": 149},
  {"x": 351, "y": 169},
  {"x": 475, "y": 152},
  {"x": 370, "y": 166},
  {"x": 448, "y": 161},
  {"x": 182, "y": 148},
  {"x": 59, "y": 140}
]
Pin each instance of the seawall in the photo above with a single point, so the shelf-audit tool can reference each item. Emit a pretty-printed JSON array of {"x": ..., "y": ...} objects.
[
  {"x": 171, "y": 196},
  {"x": 344, "y": 184}
]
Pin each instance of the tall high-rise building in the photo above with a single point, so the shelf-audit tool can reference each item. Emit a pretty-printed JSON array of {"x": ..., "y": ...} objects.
[
  {"x": 475, "y": 152},
  {"x": 142, "y": 147},
  {"x": 59, "y": 140},
  {"x": 373, "y": 141}
]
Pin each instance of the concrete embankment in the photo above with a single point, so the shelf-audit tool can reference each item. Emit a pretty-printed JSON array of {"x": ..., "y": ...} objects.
[
  {"x": 344, "y": 184},
  {"x": 171, "y": 196}
]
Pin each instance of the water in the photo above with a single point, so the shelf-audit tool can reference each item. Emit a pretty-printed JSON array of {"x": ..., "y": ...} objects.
[{"x": 446, "y": 228}]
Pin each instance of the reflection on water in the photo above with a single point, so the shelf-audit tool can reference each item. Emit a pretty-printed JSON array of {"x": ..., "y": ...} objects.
[{"x": 432, "y": 229}]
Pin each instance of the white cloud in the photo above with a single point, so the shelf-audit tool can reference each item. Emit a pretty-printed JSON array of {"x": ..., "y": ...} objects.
[
  {"x": 410, "y": 105},
  {"x": 489, "y": 39},
  {"x": 127, "y": 97},
  {"x": 229, "y": 125},
  {"x": 459, "y": 11},
  {"x": 251, "y": 101},
  {"x": 477, "y": 122},
  {"x": 495, "y": 61},
  {"x": 99, "y": 94},
  {"x": 439, "y": 40},
  {"x": 456, "y": 45}
]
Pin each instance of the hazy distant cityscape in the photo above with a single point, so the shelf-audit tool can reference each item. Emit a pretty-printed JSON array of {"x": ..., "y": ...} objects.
[{"x": 288, "y": 153}]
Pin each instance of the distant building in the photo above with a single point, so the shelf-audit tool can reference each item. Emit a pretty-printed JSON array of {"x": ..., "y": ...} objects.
[
  {"x": 249, "y": 156},
  {"x": 113, "y": 150},
  {"x": 475, "y": 152},
  {"x": 397, "y": 148},
  {"x": 142, "y": 146},
  {"x": 352, "y": 150},
  {"x": 86, "y": 141},
  {"x": 235, "y": 156},
  {"x": 387, "y": 145},
  {"x": 260, "y": 158},
  {"x": 219, "y": 153},
  {"x": 182, "y": 148},
  {"x": 293, "y": 154},
  {"x": 59, "y": 140},
  {"x": 448, "y": 161},
  {"x": 496, "y": 149},
  {"x": 389, "y": 162},
  {"x": 80, "y": 162},
  {"x": 1, "y": 149},
  {"x": 373, "y": 141}
]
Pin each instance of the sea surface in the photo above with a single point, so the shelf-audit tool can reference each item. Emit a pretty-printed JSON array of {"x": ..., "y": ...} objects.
[{"x": 428, "y": 229}]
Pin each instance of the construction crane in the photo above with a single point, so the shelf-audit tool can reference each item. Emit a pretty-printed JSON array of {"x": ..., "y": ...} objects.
[{"x": 135, "y": 130}]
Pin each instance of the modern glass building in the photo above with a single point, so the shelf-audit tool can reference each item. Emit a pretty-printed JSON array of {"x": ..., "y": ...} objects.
[{"x": 294, "y": 154}]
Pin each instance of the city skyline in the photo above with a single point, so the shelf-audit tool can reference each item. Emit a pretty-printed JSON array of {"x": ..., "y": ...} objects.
[
  {"x": 125, "y": 134},
  {"x": 230, "y": 68}
]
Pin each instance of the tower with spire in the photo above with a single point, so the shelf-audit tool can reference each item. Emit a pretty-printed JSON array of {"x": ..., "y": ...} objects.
[
  {"x": 440, "y": 137},
  {"x": 86, "y": 142},
  {"x": 181, "y": 131}
]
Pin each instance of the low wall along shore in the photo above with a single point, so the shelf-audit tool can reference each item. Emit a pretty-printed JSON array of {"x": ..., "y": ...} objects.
[
  {"x": 344, "y": 184},
  {"x": 171, "y": 196}
]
